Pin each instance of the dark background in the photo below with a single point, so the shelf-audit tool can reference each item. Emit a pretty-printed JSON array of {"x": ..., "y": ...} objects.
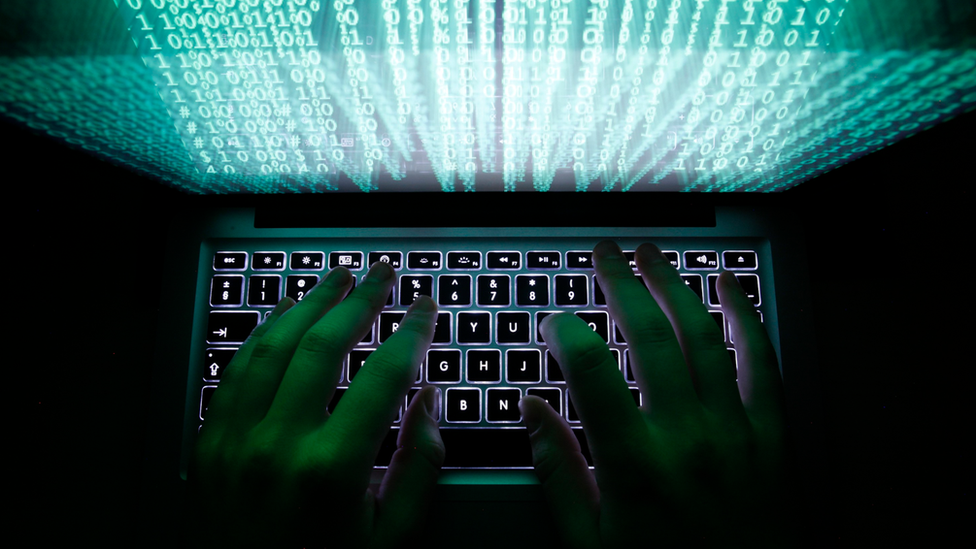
[{"x": 889, "y": 257}]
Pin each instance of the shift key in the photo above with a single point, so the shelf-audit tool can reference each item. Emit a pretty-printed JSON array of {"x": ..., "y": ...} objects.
[{"x": 231, "y": 326}]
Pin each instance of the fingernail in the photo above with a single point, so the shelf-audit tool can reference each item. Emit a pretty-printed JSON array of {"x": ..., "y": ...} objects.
[
  {"x": 530, "y": 415},
  {"x": 651, "y": 253},
  {"x": 283, "y": 305},
  {"x": 737, "y": 285},
  {"x": 380, "y": 272},
  {"x": 432, "y": 401},
  {"x": 545, "y": 321},
  {"x": 607, "y": 249},
  {"x": 338, "y": 278},
  {"x": 423, "y": 304}
]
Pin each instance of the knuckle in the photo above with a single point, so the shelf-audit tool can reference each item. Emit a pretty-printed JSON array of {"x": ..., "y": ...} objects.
[
  {"x": 321, "y": 338},
  {"x": 706, "y": 334},
  {"x": 546, "y": 462},
  {"x": 385, "y": 367},
  {"x": 268, "y": 347},
  {"x": 588, "y": 357},
  {"x": 650, "y": 331}
]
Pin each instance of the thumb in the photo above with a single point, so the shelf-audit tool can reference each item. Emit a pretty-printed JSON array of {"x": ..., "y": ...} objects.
[
  {"x": 408, "y": 486},
  {"x": 569, "y": 485}
]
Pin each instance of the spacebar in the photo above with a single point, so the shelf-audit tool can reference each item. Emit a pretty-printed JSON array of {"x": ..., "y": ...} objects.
[{"x": 481, "y": 448}]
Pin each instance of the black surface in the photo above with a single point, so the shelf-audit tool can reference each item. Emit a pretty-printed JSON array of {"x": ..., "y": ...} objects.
[{"x": 894, "y": 350}]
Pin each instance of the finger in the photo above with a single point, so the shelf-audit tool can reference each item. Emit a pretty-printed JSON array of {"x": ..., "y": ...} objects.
[
  {"x": 362, "y": 418},
  {"x": 409, "y": 484},
  {"x": 270, "y": 356},
  {"x": 220, "y": 404},
  {"x": 658, "y": 364},
  {"x": 566, "y": 480},
  {"x": 316, "y": 365},
  {"x": 702, "y": 341},
  {"x": 614, "y": 427},
  {"x": 760, "y": 383}
]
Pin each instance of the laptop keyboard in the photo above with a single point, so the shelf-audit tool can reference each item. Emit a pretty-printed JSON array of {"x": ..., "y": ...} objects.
[{"x": 487, "y": 351}]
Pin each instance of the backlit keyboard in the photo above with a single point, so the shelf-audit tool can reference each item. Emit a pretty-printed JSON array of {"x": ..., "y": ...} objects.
[{"x": 487, "y": 351}]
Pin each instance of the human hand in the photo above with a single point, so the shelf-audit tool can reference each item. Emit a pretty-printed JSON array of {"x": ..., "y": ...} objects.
[
  {"x": 272, "y": 468},
  {"x": 702, "y": 462}
]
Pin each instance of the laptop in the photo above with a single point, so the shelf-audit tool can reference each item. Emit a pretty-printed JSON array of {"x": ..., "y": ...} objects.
[{"x": 381, "y": 191}]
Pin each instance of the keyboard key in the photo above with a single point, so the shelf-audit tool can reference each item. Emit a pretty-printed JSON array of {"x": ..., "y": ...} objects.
[
  {"x": 463, "y": 405},
  {"x": 579, "y": 260},
  {"x": 357, "y": 358},
  {"x": 553, "y": 373},
  {"x": 539, "y": 317},
  {"x": 513, "y": 328},
  {"x": 542, "y": 260},
  {"x": 719, "y": 319},
  {"x": 505, "y": 260},
  {"x": 395, "y": 259},
  {"x": 412, "y": 287},
  {"x": 227, "y": 291},
  {"x": 463, "y": 260},
  {"x": 307, "y": 261},
  {"x": 268, "y": 261},
  {"x": 635, "y": 393},
  {"x": 296, "y": 286},
  {"x": 598, "y": 321},
  {"x": 474, "y": 328},
  {"x": 491, "y": 448},
  {"x": 532, "y": 290},
  {"x": 494, "y": 290},
  {"x": 729, "y": 327},
  {"x": 230, "y": 261},
  {"x": 599, "y": 298},
  {"x": 552, "y": 396},
  {"x": 699, "y": 260},
  {"x": 523, "y": 366},
  {"x": 264, "y": 291},
  {"x": 442, "y": 329},
  {"x": 739, "y": 260},
  {"x": 424, "y": 261},
  {"x": 694, "y": 282},
  {"x": 205, "y": 395},
  {"x": 571, "y": 290},
  {"x": 454, "y": 290},
  {"x": 389, "y": 322},
  {"x": 672, "y": 258},
  {"x": 350, "y": 260},
  {"x": 484, "y": 365},
  {"x": 444, "y": 366},
  {"x": 631, "y": 257},
  {"x": 216, "y": 361},
  {"x": 571, "y": 414},
  {"x": 749, "y": 283},
  {"x": 232, "y": 326},
  {"x": 368, "y": 338},
  {"x": 502, "y": 405}
]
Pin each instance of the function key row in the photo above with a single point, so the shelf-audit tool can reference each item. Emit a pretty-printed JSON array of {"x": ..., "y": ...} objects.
[{"x": 704, "y": 260}]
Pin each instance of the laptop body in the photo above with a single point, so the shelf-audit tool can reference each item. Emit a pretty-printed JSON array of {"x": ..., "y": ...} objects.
[{"x": 464, "y": 492}]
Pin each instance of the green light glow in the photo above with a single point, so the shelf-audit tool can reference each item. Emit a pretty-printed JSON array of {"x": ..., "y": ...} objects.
[{"x": 303, "y": 95}]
